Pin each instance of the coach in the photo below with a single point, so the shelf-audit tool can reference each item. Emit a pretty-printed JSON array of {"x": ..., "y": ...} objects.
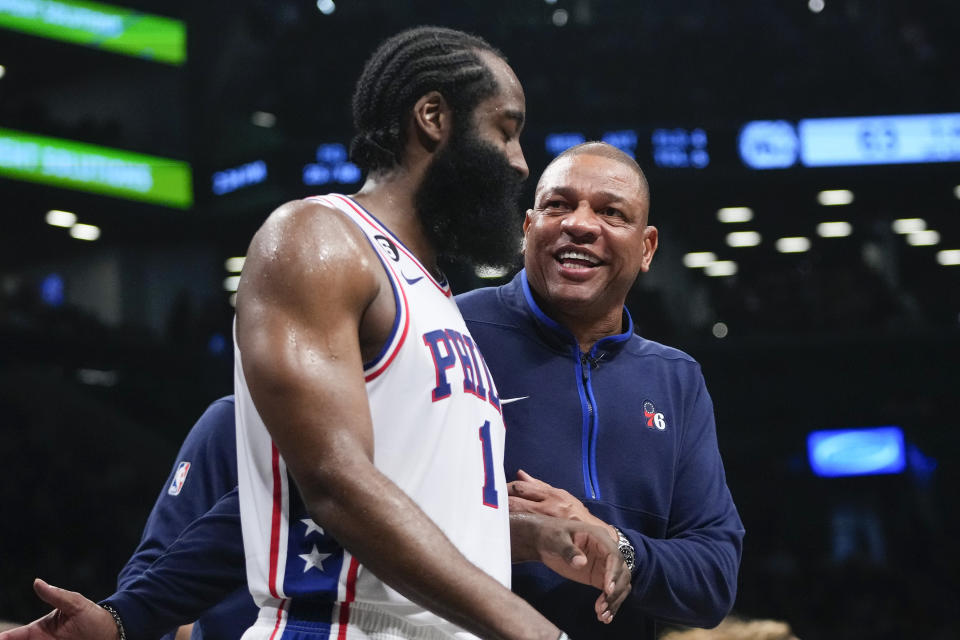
[{"x": 602, "y": 425}]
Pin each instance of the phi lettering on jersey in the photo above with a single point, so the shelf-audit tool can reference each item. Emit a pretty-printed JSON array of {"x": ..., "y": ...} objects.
[
  {"x": 448, "y": 348},
  {"x": 179, "y": 477}
]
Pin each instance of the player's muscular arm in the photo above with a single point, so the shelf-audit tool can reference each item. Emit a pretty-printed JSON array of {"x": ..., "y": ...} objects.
[{"x": 310, "y": 298}]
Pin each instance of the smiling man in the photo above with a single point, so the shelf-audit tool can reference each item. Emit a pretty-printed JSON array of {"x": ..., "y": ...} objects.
[{"x": 604, "y": 426}]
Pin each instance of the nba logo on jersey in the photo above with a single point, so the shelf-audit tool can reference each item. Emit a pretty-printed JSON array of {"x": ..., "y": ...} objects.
[{"x": 179, "y": 478}]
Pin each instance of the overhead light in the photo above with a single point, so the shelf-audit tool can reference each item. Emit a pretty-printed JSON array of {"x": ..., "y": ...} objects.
[
  {"x": 835, "y": 197},
  {"x": 721, "y": 268},
  {"x": 923, "y": 238},
  {"x": 720, "y": 330},
  {"x": 234, "y": 265},
  {"x": 57, "y": 218},
  {"x": 797, "y": 244},
  {"x": 956, "y": 191},
  {"x": 816, "y": 6},
  {"x": 949, "y": 257},
  {"x": 698, "y": 259},
  {"x": 834, "y": 229},
  {"x": 735, "y": 214},
  {"x": 560, "y": 17},
  {"x": 263, "y": 119},
  {"x": 233, "y": 299},
  {"x": 486, "y": 272},
  {"x": 326, "y": 7},
  {"x": 3, "y": 71},
  {"x": 908, "y": 225},
  {"x": 230, "y": 283},
  {"x": 85, "y": 231},
  {"x": 743, "y": 239}
]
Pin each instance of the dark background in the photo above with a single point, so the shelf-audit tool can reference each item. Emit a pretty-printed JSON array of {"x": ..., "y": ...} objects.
[{"x": 97, "y": 393}]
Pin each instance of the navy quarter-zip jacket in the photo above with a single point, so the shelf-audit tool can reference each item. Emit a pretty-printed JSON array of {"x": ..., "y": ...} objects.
[{"x": 628, "y": 428}]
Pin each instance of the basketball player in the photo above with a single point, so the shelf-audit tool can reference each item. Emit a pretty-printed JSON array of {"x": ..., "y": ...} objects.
[
  {"x": 612, "y": 429},
  {"x": 370, "y": 437}
]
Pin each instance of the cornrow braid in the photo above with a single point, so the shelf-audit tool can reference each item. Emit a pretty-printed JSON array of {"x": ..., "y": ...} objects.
[{"x": 401, "y": 70}]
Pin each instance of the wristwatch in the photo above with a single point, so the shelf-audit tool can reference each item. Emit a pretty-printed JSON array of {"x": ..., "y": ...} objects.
[{"x": 626, "y": 550}]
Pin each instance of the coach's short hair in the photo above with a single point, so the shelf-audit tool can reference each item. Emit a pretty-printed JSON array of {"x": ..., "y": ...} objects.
[{"x": 403, "y": 69}]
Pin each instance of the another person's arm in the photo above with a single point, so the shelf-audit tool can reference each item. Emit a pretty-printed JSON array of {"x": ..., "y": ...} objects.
[
  {"x": 198, "y": 570},
  {"x": 204, "y": 470}
]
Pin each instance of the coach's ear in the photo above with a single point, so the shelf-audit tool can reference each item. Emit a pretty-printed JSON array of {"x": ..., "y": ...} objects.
[{"x": 432, "y": 120}]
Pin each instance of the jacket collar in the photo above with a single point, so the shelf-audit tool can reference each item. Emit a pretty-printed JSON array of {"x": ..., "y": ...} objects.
[{"x": 517, "y": 294}]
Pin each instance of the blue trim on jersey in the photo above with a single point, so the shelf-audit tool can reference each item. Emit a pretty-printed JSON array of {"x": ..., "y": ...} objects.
[
  {"x": 314, "y": 615},
  {"x": 396, "y": 302},
  {"x": 441, "y": 283},
  {"x": 306, "y": 547}
]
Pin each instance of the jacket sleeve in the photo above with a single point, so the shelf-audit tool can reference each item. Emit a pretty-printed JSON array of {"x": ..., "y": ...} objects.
[
  {"x": 690, "y": 576},
  {"x": 207, "y": 463},
  {"x": 204, "y": 565}
]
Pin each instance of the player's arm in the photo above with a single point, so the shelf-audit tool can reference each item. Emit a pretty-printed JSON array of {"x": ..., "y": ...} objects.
[
  {"x": 309, "y": 302},
  {"x": 576, "y": 550}
]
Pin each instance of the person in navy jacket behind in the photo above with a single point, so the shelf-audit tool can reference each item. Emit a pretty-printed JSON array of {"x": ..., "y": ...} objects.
[
  {"x": 204, "y": 476},
  {"x": 603, "y": 425}
]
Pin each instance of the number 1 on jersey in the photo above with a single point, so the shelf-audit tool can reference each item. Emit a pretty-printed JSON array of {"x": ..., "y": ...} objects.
[{"x": 489, "y": 479}]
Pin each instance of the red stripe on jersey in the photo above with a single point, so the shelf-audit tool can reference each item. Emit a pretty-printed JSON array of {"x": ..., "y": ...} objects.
[
  {"x": 275, "y": 521},
  {"x": 363, "y": 214},
  {"x": 348, "y": 598},
  {"x": 276, "y": 627}
]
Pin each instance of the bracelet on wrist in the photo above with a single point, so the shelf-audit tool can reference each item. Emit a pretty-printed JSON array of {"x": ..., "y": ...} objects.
[{"x": 121, "y": 633}]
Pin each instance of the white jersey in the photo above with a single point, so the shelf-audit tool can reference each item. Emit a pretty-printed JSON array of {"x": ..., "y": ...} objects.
[{"x": 438, "y": 434}]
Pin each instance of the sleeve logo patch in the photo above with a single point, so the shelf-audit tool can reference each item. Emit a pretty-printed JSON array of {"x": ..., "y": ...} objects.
[{"x": 179, "y": 477}]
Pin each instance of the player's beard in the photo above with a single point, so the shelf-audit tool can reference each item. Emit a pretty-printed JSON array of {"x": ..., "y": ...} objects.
[{"x": 469, "y": 202}]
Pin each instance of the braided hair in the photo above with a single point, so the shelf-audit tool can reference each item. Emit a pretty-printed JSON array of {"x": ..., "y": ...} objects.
[{"x": 403, "y": 69}]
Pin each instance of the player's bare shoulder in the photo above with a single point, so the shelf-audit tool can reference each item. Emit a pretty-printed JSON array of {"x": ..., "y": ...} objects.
[{"x": 306, "y": 250}]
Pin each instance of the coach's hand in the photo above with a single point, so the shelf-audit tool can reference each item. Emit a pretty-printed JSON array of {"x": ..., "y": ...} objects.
[
  {"x": 530, "y": 495},
  {"x": 577, "y": 551},
  {"x": 74, "y": 617}
]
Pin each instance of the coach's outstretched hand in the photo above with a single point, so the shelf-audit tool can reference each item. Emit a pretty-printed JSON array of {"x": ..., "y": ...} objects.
[
  {"x": 74, "y": 617},
  {"x": 577, "y": 551}
]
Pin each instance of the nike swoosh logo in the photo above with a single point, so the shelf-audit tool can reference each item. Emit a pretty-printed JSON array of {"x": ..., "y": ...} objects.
[
  {"x": 411, "y": 280},
  {"x": 509, "y": 400}
]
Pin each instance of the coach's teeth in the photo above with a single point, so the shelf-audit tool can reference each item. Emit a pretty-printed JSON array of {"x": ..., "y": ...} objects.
[{"x": 576, "y": 255}]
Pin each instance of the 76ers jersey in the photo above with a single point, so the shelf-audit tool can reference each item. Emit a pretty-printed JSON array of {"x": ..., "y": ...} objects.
[{"x": 438, "y": 434}]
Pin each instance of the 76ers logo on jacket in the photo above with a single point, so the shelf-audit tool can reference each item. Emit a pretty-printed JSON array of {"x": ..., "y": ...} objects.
[
  {"x": 179, "y": 477},
  {"x": 654, "y": 417}
]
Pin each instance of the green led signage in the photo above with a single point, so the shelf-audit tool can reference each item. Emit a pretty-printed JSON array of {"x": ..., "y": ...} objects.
[
  {"x": 99, "y": 25},
  {"x": 87, "y": 167}
]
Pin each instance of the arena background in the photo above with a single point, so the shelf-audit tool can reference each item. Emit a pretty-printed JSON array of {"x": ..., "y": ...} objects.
[{"x": 110, "y": 348}]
